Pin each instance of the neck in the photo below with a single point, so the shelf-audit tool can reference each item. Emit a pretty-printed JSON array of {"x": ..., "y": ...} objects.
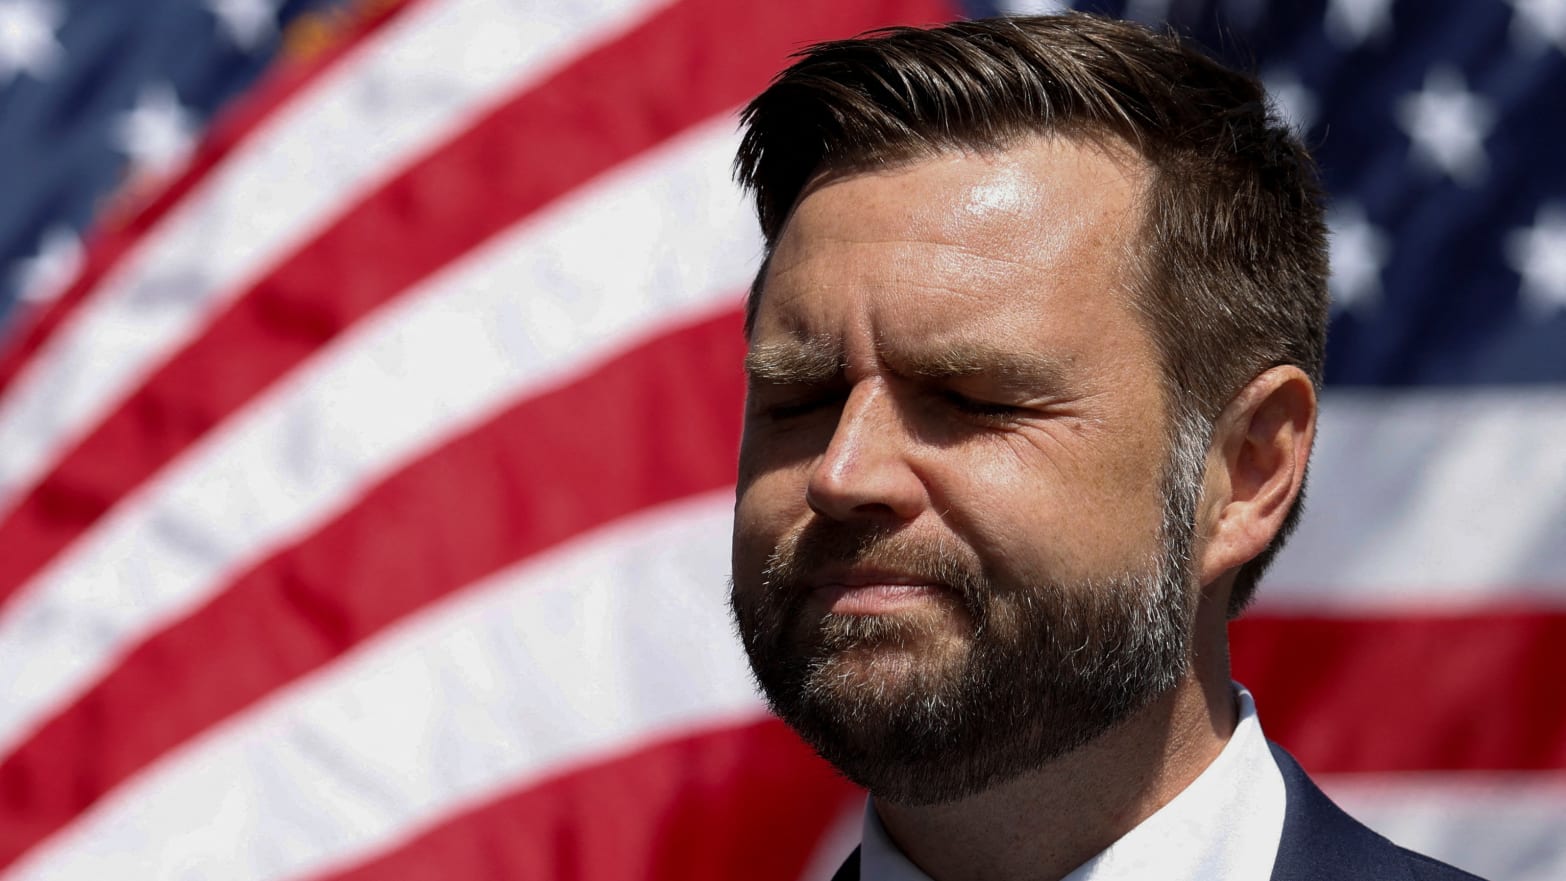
[{"x": 1046, "y": 823}]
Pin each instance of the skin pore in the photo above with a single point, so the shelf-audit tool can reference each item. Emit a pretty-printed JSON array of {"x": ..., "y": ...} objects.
[{"x": 946, "y": 355}]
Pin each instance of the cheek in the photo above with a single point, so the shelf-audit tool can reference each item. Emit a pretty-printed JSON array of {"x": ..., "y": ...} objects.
[
  {"x": 767, "y": 504},
  {"x": 1075, "y": 513}
]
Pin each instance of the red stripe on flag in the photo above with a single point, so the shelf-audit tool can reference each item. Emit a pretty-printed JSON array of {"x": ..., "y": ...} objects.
[
  {"x": 1471, "y": 692},
  {"x": 749, "y": 802},
  {"x": 690, "y": 62},
  {"x": 657, "y": 424},
  {"x": 109, "y": 244},
  {"x": 542, "y": 472}
]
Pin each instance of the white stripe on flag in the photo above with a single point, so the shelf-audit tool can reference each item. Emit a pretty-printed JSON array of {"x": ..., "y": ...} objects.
[
  {"x": 518, "y": 315},
  {"x": 1424, "y": 501},
  {"x": 540, "y": 669},
  {"x": 1495, "y": 825},
  {"x": 420, "y": 82}
]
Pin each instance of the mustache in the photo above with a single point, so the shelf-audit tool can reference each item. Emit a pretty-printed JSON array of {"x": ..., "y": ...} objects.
[{"x": 819, "y": 545}]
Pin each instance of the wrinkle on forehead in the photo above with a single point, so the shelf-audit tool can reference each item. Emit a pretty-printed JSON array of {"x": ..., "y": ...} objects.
[{"x": 954, "y": 272}]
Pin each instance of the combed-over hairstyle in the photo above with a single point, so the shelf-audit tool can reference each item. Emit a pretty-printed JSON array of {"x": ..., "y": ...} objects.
[{"x": 1232, "y": 264}]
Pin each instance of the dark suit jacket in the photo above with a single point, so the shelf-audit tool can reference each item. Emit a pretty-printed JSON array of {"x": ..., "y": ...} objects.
[{"x": 1320, "y": 842}]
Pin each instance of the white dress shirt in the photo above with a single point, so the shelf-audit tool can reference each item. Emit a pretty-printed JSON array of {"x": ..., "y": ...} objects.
[{"x": 1225, "y": 825}]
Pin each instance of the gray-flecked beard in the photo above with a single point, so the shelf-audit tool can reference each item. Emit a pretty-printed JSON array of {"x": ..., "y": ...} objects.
[{"x": 919, "y": 715}]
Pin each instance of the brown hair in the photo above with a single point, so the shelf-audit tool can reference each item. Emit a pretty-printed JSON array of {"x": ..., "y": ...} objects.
[{"x": 1233, "y": 265}]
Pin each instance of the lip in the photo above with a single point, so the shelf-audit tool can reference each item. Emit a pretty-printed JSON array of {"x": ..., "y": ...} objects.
[{"x": 874, "y": 591}]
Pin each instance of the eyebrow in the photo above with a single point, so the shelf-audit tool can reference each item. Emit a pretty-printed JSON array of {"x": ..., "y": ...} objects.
[
  {"x": 1030, "y": 371},
  {"x": 818, "y": 360},
  {"x": 794, "y": 362}
]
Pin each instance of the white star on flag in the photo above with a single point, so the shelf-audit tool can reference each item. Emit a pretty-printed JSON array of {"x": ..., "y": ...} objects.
[
  {"x": 158, "y": 133},
  {"x": 29, "y": 38},
  {"x": 1351, "y": 22},
  {"x": 247, "y": 22},
  {"x": 1538, "y": 253},
  {"x": 42, "y": 277},
  {"x": 1036, "y": 7},
  {"x": 1447, "y": 125},
  {"x": 1296, "y": 102},
  {"x": 1359, "y": 251},
  {"x": 1537, "y": 23}
]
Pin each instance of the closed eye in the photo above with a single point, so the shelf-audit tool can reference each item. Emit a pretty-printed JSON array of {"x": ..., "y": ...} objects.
[
  {"x": 976, "y": 407},
  {"x": 778, "y": 404}
]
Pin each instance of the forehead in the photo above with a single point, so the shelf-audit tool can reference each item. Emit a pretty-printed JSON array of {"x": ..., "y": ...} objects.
[{"x": 962, "y": 246}]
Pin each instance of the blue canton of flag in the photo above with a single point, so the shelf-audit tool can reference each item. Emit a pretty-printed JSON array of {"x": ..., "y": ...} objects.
[
  {"x": 98, "y": 96},
  {"x": 1439, "y": 132}
]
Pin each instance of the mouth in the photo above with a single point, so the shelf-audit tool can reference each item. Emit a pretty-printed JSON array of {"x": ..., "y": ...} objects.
[{"x": 876, "y": 591}]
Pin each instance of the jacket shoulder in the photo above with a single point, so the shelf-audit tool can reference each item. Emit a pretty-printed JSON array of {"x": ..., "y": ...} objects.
[
  {"x": 1320, "y": 842},
  {"x": 1323, "y": 843}
]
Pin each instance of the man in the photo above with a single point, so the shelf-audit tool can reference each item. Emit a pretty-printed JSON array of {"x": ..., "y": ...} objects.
[{"x": 1033, "y": 367}]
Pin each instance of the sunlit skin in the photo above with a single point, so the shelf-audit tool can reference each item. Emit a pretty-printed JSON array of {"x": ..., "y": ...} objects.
[
  {"x": 1041, "y": 449},
  {"x": 948, "y": 349}
]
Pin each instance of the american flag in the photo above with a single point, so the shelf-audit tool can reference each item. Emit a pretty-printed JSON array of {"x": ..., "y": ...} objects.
[{"x": 365, "y": 477}]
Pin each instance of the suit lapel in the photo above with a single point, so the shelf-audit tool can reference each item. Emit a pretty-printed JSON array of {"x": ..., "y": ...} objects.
[
  {"x": 849, "y": 871},
  {"x": 1322, "y": 843}
]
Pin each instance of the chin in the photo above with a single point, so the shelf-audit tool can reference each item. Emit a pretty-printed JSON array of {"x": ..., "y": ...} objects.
[
  {"x": 926, "y": 709},
  {"x": 871, "y": 677},
  {"x": 938, "y": 700}
]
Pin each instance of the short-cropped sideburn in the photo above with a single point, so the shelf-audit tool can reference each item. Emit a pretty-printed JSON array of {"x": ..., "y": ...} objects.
[{"x": 1232, "y": 262}]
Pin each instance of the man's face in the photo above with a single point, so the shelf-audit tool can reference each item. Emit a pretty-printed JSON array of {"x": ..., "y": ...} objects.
[{"x": 950, "y": 557}]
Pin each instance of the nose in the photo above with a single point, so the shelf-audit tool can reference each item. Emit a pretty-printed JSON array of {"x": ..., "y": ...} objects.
[{"x": 865, "y": 472}]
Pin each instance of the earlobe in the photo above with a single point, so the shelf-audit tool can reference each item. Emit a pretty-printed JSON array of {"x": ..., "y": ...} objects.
[{"x": 1255, "y": 468}]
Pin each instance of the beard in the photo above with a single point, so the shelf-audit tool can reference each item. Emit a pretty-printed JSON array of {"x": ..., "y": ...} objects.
[{"x": 995, "y": 678}]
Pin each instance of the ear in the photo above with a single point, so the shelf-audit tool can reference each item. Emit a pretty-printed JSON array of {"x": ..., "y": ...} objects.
[{"x": 1255, "y": 467}]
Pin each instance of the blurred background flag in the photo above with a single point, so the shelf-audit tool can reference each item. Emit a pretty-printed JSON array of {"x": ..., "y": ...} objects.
[{"x": 369, "y": 402}]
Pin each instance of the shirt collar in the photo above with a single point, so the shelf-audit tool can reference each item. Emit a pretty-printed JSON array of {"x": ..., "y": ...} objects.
[{"x": 1225, "y": 825}]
